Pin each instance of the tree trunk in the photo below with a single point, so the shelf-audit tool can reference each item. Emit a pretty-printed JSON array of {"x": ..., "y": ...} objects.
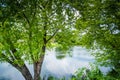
[
  {"x": 38, "y": 64},
  {"x": 24, "y": 71},
  {"x": 37, "y": 68},
  {"x": 22, "y": 68}
]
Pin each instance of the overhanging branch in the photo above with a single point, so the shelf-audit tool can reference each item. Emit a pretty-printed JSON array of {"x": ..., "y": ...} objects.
[
  {"x": 26, "y": 19},
  {"x": 53, "y": 35}
]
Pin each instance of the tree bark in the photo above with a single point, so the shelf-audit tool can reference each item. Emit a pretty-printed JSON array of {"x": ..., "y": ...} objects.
[
  {"x": 24, "y": 71},
  {"x": 38, "y": 64},
  {"x": 37, "y": 68},
  {"x": 22, "y": 68}
]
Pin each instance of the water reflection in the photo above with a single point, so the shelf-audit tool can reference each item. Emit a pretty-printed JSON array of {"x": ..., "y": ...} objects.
[
  {"x": 4, "y": 78},
  {"x": 64, "y": 66}
]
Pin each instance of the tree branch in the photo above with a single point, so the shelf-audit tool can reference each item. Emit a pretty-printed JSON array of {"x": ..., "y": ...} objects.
[
  {"x": 30, "y": 35},
  {"x": 22, "y": 68},
  {"x": 26, "y": 19},
  {"x": 6, "y": 58},
  {"x": 53, "y": 35}
]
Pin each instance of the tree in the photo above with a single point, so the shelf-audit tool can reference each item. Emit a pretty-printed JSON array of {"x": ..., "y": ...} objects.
[
  {"x": 28, "y": 27},
  {"x": 99, "y": 27}
]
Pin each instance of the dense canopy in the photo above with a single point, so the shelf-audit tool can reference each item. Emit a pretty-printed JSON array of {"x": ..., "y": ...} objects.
[{"x": 28, "y": 27}]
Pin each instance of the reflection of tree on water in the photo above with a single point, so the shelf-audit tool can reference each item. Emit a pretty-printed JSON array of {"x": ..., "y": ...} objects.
[
  {"x": 3, "y": 78},
  {"x": 62, "y": 52}
]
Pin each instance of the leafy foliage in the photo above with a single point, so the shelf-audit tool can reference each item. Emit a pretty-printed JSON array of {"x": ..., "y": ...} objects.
[
  {"x": 89, "y": 74},
  {"x": 93, "y": 74},
  {"x": 99, "y": 27},
  {"x": 28, "y": 27}
]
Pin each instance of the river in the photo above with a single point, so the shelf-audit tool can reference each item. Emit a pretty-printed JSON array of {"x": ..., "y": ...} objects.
[{"x": 52, "y": 66}]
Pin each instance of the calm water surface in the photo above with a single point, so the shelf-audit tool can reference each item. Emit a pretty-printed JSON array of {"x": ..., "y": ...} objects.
[{"x": 53, "y": 66}]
